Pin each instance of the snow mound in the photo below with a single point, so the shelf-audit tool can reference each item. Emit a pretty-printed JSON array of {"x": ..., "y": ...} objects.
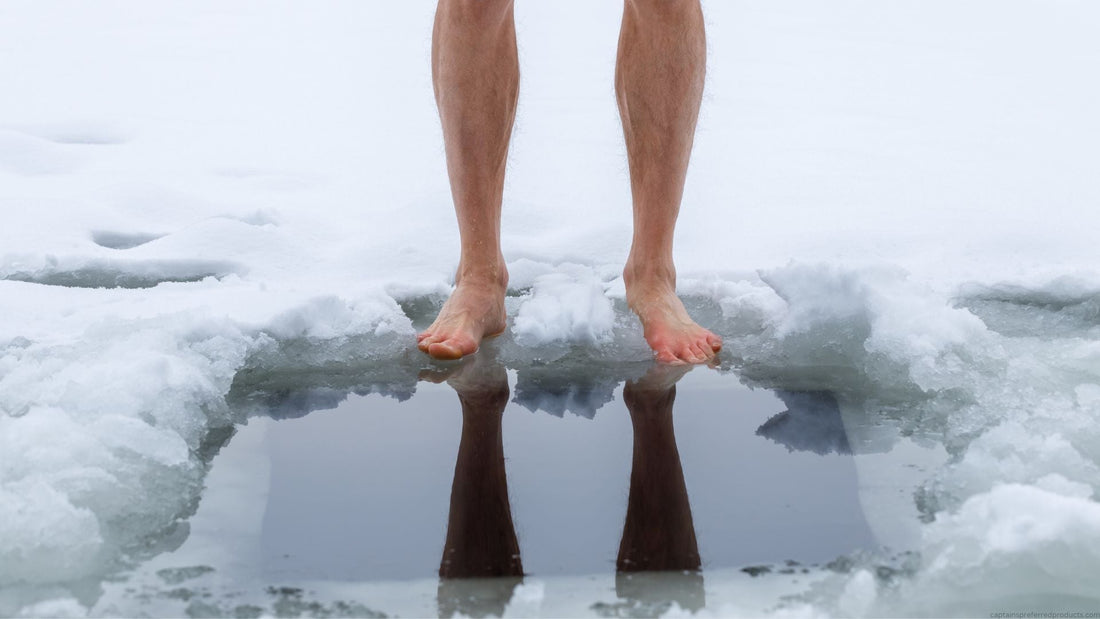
[
  {"x": 566, "y": 306},
  {"x": 1014, "y": 544}
]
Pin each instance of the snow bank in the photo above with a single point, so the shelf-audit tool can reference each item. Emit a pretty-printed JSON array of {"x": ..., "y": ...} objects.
[
  {"x": 1010, "y": 547},
  {"x": 100, "y": 441},
  {"x": 107, "y": 437}
]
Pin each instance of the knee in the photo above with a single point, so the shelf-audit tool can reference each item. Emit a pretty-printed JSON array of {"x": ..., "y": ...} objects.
[{"x": 476, "y": 11}]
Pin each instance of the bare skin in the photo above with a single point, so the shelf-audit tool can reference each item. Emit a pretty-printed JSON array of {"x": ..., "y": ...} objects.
[
  {"x": 659, "y": 87},
  {"x": 475, "y": 70},
  {"x": 659, "y": 84},
  {"x": 474, "y": 311}
]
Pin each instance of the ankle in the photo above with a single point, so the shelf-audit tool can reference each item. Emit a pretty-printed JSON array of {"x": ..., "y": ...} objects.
[
  {"x": 492, "y": 273},
  {"x": 649, "y": 272}
]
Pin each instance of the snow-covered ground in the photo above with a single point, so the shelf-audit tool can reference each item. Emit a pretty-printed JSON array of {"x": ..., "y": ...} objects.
[{"x": 892, "y": 201}]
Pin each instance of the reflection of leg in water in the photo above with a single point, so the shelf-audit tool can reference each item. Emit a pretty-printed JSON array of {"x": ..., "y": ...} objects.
[
  {"x": 481, "y": 539},
  {"x": 659, "y": 534}
]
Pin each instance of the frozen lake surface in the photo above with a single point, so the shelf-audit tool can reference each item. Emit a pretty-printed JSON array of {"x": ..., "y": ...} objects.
[{"x": 224, "y": 222}]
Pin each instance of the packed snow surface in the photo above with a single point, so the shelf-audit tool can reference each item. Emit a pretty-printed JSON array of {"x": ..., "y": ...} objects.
[{"x": 895, "y": 203}]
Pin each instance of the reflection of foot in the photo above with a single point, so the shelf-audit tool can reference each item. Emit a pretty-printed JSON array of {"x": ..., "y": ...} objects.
[
  {"x": 660, "y": 378},
  {"x": 480, "y": 381},
  {"x": 482, "y": 387},
  {"x": 474, "y": 311},
  {"x": 672, "y": 334},
  {"x": 649, "y": 399}
]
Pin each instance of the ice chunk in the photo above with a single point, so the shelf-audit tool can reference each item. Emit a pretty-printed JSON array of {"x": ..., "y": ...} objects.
[
  {"x": 54, "y": 608},
  {"x": 106, "y": 455},
  {"x": 859, "y": 595},
  {"x": 1061, "y": 308},
  {"x": 567, "y": 306},
  {"x": 1014, "y": 542},
  {"x": 44, "y": 537}
]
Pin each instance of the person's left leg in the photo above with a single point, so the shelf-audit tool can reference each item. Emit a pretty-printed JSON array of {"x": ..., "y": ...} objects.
[{"x": 659, "y": 85}]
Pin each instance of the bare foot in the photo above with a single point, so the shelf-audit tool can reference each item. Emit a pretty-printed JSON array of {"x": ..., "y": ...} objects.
[
  {"x": 477, "y": 374},
  {"x": 672, "y": 334},
  {"x": 474, "y": 311}
]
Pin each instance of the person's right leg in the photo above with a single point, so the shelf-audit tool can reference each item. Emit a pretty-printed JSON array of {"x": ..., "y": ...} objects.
[{"x": 475, "y": 70}]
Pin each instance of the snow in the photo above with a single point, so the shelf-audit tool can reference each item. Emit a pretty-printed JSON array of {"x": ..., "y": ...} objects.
[
  {"x": 892, "y": 202},
  {"x": 568, "y": 305}
]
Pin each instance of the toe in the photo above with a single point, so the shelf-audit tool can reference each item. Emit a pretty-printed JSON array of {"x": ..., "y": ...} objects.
[
  {"x": 708, "y": 347},
  {"x": 714, "y": 341},
  {"x": 425, "y": 343},
  {"x": 700, "y": 352},
  {"x": 452, "y": 348},
  {"x": 444, "y": 351},
  {"x": 666, "y": 355},
  {"x": 687, "y": 355}
]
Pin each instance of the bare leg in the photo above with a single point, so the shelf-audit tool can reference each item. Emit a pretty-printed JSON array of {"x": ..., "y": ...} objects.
[
  {"x": 475, "y": 70},
  {"x": 659, "y": 83}
]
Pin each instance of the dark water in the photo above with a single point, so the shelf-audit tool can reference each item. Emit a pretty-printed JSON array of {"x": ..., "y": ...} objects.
[
  {"x": 678, "y": 472},
  {"x": 617, "y": 488}
]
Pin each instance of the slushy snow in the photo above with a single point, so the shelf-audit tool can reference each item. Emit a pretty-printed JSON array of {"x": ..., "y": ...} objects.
[{"x": 894, "y": 204}]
